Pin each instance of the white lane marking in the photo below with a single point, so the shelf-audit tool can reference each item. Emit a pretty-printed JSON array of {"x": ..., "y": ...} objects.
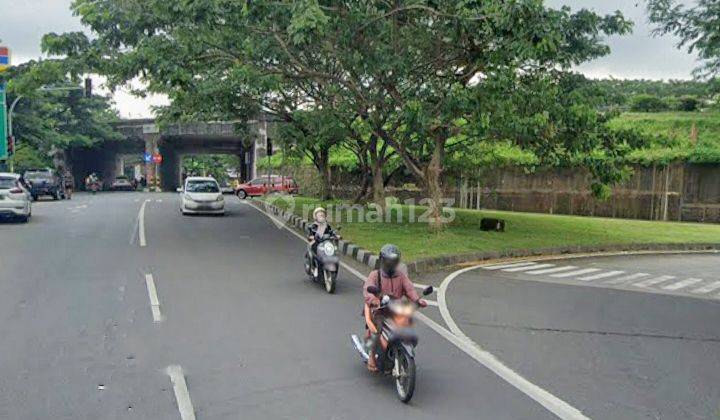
[
  {"x": 421, "y": 286},
  {"x": 431, "y": 302},
  {"x": 137, "y": 200},
  {"x": 653, "y": 281},
  {"x": 552, "y": 403},
  {"x": 141, "y": 224},
  {"x": 551, "y": 270},
  {"x": 707, "y": 288},
  {"x": 601, "y": 275},
  {"x": 627, "y": 279},
  {"x": 682, "y": 284},
  {"x": 154, "y": 301},
  {"x": 182, "y": 396},
  {"x": 159, "y": 200},
  {"x": 501, "y": 266},
  {"x": 532, "y": 267},
  {"x": 575, "y": 273}
]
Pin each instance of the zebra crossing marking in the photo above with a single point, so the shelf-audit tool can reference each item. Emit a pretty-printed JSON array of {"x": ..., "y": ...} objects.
[
  {"x": 551, "y": 270},
  {"x": 708, "y": 288},
  {"x": 527, "y": 267},
  {"x": 627, "y": 279},
  {"x": 575, "y": 273},
  {"x": 682, "y": 284},
  {"x": 501, "y": 266},
  {"x": 601, "y": 275},
  {"x": 653, "y": 281}
]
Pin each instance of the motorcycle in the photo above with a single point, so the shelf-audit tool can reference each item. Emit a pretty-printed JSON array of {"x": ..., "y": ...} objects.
[
  {"x": 396, "y": 357},
  {"x": 93, "y": 187},
  {"x": 322, "y": 266}
]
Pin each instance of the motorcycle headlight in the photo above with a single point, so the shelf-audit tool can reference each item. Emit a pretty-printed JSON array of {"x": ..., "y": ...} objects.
[{"x": 329, "y": 248}]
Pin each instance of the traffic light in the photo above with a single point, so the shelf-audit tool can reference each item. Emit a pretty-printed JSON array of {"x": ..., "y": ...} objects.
[
  {"x": 10, "y": 145},
  {"x": 269, "y": 147},
  {"x": 88, "y": 87}
]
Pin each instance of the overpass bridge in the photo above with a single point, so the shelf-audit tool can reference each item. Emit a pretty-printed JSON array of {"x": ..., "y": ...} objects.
[{"x": 246, "y": 140}]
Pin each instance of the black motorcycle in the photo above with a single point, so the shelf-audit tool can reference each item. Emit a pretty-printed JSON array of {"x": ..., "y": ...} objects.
[
  {"x": 398, "y": 358},
  {"x": 322, "y": 266}
]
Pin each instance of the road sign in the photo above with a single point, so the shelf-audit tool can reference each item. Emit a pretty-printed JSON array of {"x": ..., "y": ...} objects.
[
  {"x": 157, "y": 158},
  {"x": 147, "y": 157},
  {"x": 4, "y": 58},
  {"x": 3, "y": 124}
]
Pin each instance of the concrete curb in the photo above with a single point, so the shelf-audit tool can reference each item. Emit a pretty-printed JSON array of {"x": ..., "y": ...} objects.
[{"x": 426, "y": 265}]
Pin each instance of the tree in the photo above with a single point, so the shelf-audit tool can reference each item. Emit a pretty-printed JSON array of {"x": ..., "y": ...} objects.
[
  {"x": 412, "y": 73},
  {"x": 648, "y": 103},
  {"x": 696, "y": 26}
]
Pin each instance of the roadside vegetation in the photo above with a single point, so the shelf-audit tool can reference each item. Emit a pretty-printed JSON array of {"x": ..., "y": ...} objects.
[{"x": 524, "y": 230}]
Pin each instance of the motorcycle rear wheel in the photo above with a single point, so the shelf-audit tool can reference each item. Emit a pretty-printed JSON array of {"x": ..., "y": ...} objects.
[{"x": 405, "y": 380}]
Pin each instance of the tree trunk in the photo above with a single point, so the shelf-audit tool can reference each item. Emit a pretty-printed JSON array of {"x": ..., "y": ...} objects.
[
  {"x": 364, "y": 187},
  {"x": 322, "y": 163},
  {"x": 433, "y": 187},
  {"x": 378, "y": 184}
]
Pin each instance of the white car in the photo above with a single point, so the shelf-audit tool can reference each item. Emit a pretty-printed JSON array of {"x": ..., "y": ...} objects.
[
  {"x": 15, "y": 199},
  {"x": 121, "y": 183},
  {"x": 201, "y": 195}
]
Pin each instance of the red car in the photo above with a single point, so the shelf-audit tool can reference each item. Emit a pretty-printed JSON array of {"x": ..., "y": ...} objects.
[{"x": 264, "y": 184}]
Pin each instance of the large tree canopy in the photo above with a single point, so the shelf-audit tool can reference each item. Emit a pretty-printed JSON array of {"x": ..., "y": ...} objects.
[
  {"x": 421, "y": 77},
  {"x": 697, "y": 26}
]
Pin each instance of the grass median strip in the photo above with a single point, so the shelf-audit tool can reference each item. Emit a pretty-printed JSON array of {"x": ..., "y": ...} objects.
[{"x": 524, "y": 230}]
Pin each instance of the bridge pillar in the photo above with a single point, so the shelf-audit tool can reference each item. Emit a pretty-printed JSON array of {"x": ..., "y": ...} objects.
[{"x": 151, "y": 147}]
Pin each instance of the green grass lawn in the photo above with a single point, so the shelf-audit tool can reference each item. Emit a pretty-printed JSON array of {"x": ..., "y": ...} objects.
[{"x": 523, "y": 231}]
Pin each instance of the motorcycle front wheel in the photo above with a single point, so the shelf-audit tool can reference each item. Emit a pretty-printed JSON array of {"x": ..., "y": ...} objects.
[
  {"x": 329, "y": 277},
  {"x": 404, "y": 373}
]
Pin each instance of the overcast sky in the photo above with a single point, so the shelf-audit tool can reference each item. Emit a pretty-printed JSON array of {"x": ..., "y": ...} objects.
[{"x": 635, "y": 56}]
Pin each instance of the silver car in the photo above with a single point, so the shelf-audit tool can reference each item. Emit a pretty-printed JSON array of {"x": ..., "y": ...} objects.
[
  {"x": 15, "y": 199},
  {"x": 201, "y": 195}
]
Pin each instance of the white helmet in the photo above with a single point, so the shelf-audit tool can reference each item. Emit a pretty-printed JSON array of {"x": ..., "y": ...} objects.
[{"x": 318, "y": 210}]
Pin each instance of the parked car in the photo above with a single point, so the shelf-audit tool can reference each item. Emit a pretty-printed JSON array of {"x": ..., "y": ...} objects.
[
  {"x": 226, "y": 188},
  {"x": 264, "y": 184},
  {"x": 201, "y": 195},
  {"x": 15, "y": 198},
  {"x": 121, "y": 183},
  {"x": 45, "y": 182}
]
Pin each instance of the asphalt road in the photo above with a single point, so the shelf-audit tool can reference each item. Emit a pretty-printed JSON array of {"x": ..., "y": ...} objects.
[
  {"x": 236, "y": 319},
  {"x": 623, "y": 337}
]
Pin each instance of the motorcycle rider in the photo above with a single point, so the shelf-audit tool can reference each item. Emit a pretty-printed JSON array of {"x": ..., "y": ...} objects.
[
  {"x": 316, "y": 230},
  {"x": 392, "y": 282}
]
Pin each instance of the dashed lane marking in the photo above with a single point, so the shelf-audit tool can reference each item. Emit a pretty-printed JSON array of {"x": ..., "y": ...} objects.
[
  {"x": 182, "y": 395},
  {"x": 154, "y": 301},
  {"x": 141, "y": 224}
]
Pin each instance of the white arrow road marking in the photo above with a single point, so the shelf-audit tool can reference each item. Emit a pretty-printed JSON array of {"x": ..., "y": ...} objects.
[
  {"x": 552, "y": 403},
  {"x": 708, "y": 288},
  {"x": 551, "y": 270},
  {"x": 601, "y": 276},
  {"x": 182, "y": 395},
  {"x": 682, "y": 284}
]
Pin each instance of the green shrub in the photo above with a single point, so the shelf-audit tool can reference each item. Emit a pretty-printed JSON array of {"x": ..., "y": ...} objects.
[{"x": 648, "y": 103}]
